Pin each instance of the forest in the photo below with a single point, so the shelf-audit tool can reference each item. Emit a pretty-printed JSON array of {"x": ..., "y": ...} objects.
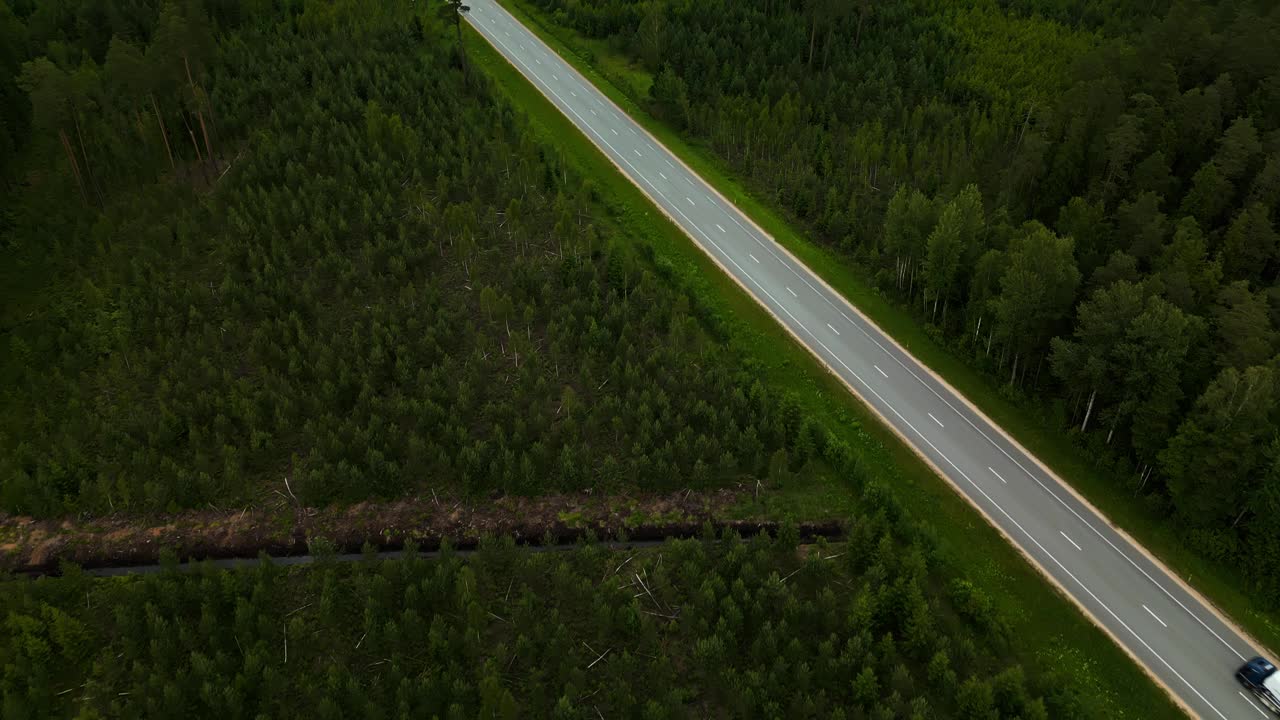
[
  {"x": 362, "y": 280},
  {"x": 261, "y": 248},
  {"x": 696, "y": 628},
  {"x": 1077, "y": 198}
]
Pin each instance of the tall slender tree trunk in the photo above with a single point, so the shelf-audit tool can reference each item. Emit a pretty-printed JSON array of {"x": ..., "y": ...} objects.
[
  {"x": 1025, "y": 122},
  {"x": 75, "y": 166},
  {"x": 813, "y": 35},
  {"x": 205, "y": 132},
  {"x": 164, "y": 134},
  {"x": 199, "y": 112},
  {"x": 1240, "y": 516},
  {"x": 1013, "y": 376},
  {"x": 93, "y": 180},
  {"x": 194, "y": 143},
  {"x": 1088, "y": 410}
]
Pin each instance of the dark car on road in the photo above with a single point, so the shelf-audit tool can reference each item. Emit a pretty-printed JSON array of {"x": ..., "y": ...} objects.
[{"x": 1259, "y": 677}]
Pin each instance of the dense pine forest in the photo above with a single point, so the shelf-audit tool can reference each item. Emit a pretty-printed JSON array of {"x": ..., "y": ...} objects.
[
  {"x": 252, "y": 249},
  {"x": 1079, "y": 198},
  {"x": 696, "y": 628},
  {"x": 255, "y": 254}
]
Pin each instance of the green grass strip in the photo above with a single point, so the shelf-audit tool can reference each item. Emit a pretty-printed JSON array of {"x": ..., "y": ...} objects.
[
  {"x": 1040, "y": 435},
  {"x": 1050, "y": 631}
]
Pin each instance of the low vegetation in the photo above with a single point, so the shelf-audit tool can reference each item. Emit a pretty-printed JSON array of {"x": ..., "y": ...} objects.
[
  {"x": 1084, "y": 243},
  {"x": 387, "y": 288},
  {"x": 364, "y": 272},
  {"x": 696, "y": 628}
]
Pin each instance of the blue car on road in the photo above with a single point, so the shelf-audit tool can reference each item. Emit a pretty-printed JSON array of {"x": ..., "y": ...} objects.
[{"x": 1259, "y": 677}]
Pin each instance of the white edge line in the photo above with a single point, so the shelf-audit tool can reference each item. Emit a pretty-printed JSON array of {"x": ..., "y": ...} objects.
[
  {"x": 1070, "y": 509},
  {"x": 953, "y": 465},
  {"x": 1255, "y": 705}
]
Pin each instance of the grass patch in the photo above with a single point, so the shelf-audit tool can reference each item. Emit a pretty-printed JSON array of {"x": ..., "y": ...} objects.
[
  {"x": 1028, "y": 424},
  {"x": 1057, "y": 634}
]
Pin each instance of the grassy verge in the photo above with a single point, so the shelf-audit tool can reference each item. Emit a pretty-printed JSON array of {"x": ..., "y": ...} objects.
[
  {"x": 1029, "y": 426},
  {"x": 1056, "y": 634}
]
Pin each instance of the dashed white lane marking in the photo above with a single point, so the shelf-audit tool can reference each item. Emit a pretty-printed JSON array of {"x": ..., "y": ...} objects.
[
  {"x": 779, "y": 259},
  {"x": 504, "y": 32},
  {"x": 936, "y": 420},
  {"x": 637, "y": 152},
  {"x": 555, "y": 77},
  {"x": 615, "y": 132},
  {"x": 1157, "y": 617},
  {"x": 975, "y": 486},
  {"x": 837, "y": 332},
  {"x": 720, "y": 227},
  {"x": 1073, "y": 542},
  {"x": 664, "y": 177},
  {"x": 593, "y": 112},
  {"x": 1063, "y": 503},
  {"x": 1029, "y": 474},
  {"x": 688, "y": 199},
  {"x": 537, "y": 61},
  {"x": 998, "y": 475},
  {"x": 882, "y": 373},
  {"x": 1255, "y": 705},
  {"x": 753, "y": 257},
  {"x": 573, "y": 93},
  {"x": 673, "y": 167},
  {"x": 965, "y": 476},
  {"x": 793, "y": 293},
  {"x": 1023, "y": 530},
  {"x": 633, "y": 131}
]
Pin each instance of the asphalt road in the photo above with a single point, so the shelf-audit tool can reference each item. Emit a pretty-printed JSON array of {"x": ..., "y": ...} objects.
[{"x": 1164, "y": 626}]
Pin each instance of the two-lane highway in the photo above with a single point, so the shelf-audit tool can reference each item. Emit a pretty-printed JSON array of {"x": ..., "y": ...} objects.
[{"x": 1158, "y": 620}]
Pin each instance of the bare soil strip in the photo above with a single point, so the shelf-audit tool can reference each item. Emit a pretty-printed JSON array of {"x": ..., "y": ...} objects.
[{"x": 28, "y": 545}]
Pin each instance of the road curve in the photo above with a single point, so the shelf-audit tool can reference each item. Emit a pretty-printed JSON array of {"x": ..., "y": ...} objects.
[{"x": 1159, "y": 621}]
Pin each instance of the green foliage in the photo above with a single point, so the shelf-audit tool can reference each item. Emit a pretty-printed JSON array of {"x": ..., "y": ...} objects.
[
  {"x": 1144, "y": 134},
  {"x": 697, "y": 627},
  {"x": 372, "y": 283}
]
